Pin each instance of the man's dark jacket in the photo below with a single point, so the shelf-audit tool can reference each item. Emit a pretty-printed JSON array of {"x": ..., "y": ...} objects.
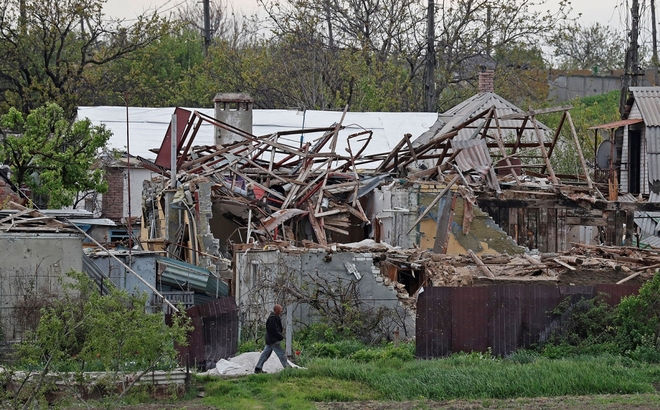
[{"x": 273, "y": 329}]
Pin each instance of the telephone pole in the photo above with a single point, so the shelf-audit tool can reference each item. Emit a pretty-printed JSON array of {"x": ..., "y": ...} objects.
[
  {"x": 654, "y": 32},
  {"x": 631, "y": 67},
  {"x": 429, "y": 83},
  {"x": 207, "y": 28}
]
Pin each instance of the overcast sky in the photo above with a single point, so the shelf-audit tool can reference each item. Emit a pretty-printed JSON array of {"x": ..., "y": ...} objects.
[
  {"x": 130, "y": 8},
  {"x": 609, "y": 12}
]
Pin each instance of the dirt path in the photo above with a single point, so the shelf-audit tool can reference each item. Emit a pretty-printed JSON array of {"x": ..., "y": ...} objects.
[
  {"x": 642, "y": 402},
  {"x": 608, "y": 402}
]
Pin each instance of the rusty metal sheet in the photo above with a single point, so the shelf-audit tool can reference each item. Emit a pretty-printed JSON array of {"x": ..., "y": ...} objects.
[
  {"x": 470, "y": 328},
  {"x": 163, "y": 158},
  {"x": 503, "y": 318},
  {"x": 214, "y": 335},
  {"x": 434, "y": 338}
]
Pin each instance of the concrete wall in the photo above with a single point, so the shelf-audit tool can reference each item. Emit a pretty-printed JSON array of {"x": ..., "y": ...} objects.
[
  {"x": 141, "y": 262},
  {"x": 263, "y": 275},
  {"x": 565, "y": 87},
  {"x": 31, "y": 272}
]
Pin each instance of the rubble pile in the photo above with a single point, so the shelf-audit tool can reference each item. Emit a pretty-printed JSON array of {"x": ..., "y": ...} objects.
[{"x": 581, "y": 265}]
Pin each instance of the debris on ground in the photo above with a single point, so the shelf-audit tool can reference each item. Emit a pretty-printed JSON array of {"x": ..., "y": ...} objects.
[{"x": 244, "y": 364}]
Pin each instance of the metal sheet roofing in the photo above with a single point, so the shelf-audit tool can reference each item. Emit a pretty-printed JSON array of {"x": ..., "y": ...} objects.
[
  {"x": 652, "y": 136},
  {"x": 475, "y": 155},
  {"x": 148, "y": 126},
  {"x": 647, "y": 99},
  {"x": 616, "y": 124},
  {"x": 479, "y": 103},
  {"x": 651, "y": 240},
  {"x": 177, "y": 273}
]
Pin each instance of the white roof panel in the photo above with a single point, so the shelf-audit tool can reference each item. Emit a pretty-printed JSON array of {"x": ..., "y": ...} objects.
[{"x": 147, "y": 126}]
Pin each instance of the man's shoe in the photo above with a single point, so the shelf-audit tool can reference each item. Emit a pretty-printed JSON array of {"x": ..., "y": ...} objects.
[{"x": 258, "y": 370}]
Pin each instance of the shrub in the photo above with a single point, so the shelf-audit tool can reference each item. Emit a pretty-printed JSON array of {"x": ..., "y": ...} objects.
[
  {"x": 638, "y": 318},
  {"x": 343, "y": 348}
]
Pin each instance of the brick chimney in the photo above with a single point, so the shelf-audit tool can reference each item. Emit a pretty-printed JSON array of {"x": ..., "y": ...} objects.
[{"x": 486, "y": 81}]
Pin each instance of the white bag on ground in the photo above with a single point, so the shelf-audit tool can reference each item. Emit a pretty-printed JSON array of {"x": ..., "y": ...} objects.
[{"x": 223, "y": 366}]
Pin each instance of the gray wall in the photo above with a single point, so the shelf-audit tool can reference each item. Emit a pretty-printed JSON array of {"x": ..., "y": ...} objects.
[
  {"x": 141, "y": 262},
  {"x": 564, "y": 88},
  {"x": 30, "y": 274},
  {"x": 261, "y": 276}
]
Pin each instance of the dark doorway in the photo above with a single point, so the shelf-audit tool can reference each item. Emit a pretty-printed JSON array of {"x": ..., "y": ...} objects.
[{"x": 634, "y": 160}]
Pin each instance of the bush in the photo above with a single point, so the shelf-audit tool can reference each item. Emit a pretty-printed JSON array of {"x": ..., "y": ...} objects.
[
  {"x": 404, "y": 352},
  {"x": 638, "y": 318},
  {"x": 250, "y": 346},
  {"x": 343, "y": 349},
  {"x": 317, "y": 333},
  {"x": 645, "y": 354}
]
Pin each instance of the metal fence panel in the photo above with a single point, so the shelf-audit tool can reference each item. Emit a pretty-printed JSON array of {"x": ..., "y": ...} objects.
[
  {"x": 214, "y": 335},
  {"x": 502, "y": 318}
]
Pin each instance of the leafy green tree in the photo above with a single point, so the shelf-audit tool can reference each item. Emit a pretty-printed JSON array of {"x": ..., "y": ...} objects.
[
  {"x": 151, "y": 76},
  {"x": 46, "y": 48},
  {"x": 639, "y": 319},
  {"x": 51, "y": 155},
  {"x": 85, "y": 331}
]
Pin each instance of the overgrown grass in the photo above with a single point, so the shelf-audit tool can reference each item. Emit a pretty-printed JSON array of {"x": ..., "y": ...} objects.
[
  {"x": 291, "y": 389},
  {"x": 462, "y": 376}
]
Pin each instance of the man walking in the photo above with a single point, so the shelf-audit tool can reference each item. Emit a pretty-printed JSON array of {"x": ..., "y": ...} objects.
[{"x": 273, "y": 338}]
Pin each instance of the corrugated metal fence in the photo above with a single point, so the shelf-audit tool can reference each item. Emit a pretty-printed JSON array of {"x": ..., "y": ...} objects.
[
  {"x": 215, "y": 333},
  {"x": 504, "y": 317}
]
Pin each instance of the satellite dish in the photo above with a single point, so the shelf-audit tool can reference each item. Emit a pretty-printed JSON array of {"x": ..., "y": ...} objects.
[{"x": 603, "y": 154}]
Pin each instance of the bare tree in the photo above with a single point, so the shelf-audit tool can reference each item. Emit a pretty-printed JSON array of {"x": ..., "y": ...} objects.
[{"x": 587, "y": 47}]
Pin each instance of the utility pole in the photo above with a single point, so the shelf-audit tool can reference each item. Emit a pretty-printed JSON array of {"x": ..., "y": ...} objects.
[
  {"x": 429, "y": 84},
  {"x": 331, "y": 40},
  {"x": 654, "y": 32},
  {"x": 631, "y": 68},
  {"x": 207, "y": 27}
]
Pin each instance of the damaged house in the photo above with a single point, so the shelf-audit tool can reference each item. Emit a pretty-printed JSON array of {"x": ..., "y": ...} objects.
[{"x": 336, "y": 212}]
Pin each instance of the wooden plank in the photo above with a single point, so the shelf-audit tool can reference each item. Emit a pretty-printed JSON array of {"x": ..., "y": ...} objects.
[
  {"x": 316, "y": 226},
  {"x": 543, "y": 230},
  {"x": 513, "y": 224},
  {"x": 39, "y": 219},
  {"x": 521, "y": 278},
  {"x": 562, "y": 232},
  {"x": 435, "y": 201},
  {"x": 579, "y": 150},
  {"x": 610, "y": 228},
  {"x": 530, "y": 113},
  {"x": 480, "y": 264},
  {"x": 16, "y": 215},
  {"x": 328, "y": 213},
  {"x": 333, "y": 229},
  {"x": 552, "y": 230},
  {"x": 537, "y": 132},
  {"x": 637, "y": 273},
  {"x": 586, "y": 221},
  {"x": 443, "y": 227},
  {"x": 564, "y": 264}
]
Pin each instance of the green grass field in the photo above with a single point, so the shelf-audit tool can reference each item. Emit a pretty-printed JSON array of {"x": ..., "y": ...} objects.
[{"x": 460, "y": 377}]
